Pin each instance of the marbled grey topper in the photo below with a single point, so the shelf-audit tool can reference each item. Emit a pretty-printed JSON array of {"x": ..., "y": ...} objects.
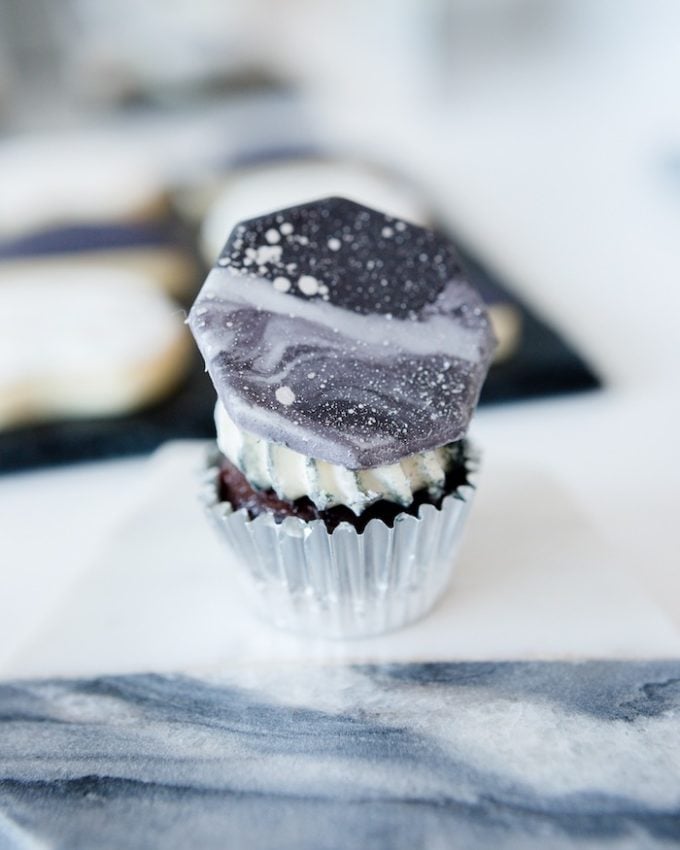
[{"x": 343, "y": 333}]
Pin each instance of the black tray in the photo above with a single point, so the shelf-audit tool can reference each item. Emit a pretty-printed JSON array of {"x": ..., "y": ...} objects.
[{"x": 544, "y": 364}]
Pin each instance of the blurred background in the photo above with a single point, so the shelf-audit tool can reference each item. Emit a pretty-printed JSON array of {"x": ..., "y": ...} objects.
[
  {"x": 134, "y": 137},
  {"x": 544, "y": 137}
]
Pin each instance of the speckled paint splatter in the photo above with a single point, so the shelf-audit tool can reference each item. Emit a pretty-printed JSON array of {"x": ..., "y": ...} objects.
[{"x": 378, "y": 309}]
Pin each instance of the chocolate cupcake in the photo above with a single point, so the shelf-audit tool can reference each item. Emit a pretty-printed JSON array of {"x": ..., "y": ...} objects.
[{"x": 348, "y": 351}]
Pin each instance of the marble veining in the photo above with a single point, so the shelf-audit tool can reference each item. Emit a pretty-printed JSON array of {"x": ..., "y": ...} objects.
[
  {"x": 343, "y": 334},
  {"x": 400, "y": 756}
]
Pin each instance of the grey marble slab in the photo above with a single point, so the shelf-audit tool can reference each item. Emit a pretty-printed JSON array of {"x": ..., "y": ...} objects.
[{"x": 406, "y": 756}]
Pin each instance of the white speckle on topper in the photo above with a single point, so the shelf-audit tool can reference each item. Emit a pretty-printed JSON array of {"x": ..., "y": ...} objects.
[
  {"x": 285, "y": 396},
  {"x": 263, "y": 255},
  {"x": 334, "y": 243},
  {"x": 286, "y": 228},
  {"x": 281, "y": 284},
  {"x": 308, "y": 285},
  {"x": 387, "y": 232},
  {"x": 272, "y": 236}
]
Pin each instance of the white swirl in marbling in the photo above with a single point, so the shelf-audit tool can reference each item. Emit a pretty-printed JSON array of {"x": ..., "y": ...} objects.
[
  {"x": 414, "y": 375},
  {"x": 343, "y": 334}
]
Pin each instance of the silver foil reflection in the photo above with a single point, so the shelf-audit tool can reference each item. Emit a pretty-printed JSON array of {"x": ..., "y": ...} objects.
[{"x": 343, "y": 584}]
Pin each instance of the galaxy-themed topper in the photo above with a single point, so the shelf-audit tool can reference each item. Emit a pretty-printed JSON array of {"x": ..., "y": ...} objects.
[{"x": 343, "y": 333}]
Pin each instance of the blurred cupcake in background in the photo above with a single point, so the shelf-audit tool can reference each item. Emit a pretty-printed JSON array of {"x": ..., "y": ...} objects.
[{"x": 87, "y": 209}]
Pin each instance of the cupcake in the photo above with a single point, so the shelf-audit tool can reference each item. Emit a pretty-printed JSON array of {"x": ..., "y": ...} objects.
[{"x": 348, "y": 350}]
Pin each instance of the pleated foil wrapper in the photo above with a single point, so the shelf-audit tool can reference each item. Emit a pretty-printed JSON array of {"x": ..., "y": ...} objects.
[{"x": 343, "y": 584}]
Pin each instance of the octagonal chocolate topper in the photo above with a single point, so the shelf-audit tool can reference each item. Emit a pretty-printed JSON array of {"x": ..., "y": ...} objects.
[{"x": 343, "y": 333}]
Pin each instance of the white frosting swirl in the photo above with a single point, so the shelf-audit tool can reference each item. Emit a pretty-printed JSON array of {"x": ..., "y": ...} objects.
[{"x": 292, "y": 475}]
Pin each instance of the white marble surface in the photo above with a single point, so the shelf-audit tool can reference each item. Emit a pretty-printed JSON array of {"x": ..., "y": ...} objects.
[
  {"x": 516, "y": 755},
  {"x": 535, "y": 580},
  {"x": 573, "y": 545}
]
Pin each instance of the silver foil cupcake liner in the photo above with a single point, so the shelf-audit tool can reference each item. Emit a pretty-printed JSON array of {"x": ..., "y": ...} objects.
[{"x": 343, "y": 584}]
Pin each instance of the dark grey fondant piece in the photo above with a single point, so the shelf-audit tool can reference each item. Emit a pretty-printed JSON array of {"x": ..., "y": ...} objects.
[{"x": 343, "y": 333}]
